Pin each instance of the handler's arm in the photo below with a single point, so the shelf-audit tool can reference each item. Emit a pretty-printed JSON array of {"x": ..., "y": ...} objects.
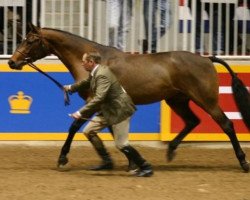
[
  {"x": 102, "y": 86},
  {"x": 82, "y": 85}
]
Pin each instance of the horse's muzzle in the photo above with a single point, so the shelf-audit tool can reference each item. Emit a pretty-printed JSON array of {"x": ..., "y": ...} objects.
[{"x": 14, "y": 65}]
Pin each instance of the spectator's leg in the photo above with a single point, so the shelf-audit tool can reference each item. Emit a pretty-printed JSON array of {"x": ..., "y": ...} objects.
[
  {"x": 1, "y": 28},
  {"x": 146, "y": 21},
  {"x": 218, "y": 35},
  {"x": 165, "y": 11},
  {"x": 124, "y": 25},
  {"x": 154, "y": 27}
]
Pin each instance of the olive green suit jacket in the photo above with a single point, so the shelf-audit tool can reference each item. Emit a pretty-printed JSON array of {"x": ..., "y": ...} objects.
[{"x": 109, "y": 98}]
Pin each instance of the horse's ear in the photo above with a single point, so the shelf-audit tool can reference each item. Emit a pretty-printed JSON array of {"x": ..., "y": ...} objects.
[{"x": 33, "y": 28}]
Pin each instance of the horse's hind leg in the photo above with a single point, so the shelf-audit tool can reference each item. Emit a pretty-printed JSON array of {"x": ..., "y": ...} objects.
[
  {"x": 181, "y": 107},
  {"x": 227, "y": 126}
]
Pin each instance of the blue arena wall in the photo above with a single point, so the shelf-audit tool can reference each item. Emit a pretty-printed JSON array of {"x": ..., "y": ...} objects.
[
  {"x": 47, "y": 117},
  {"x": 47, "y": 113}
]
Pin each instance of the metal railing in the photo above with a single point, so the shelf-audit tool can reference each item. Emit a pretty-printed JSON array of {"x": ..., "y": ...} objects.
[{"x": 136, "y": 26}]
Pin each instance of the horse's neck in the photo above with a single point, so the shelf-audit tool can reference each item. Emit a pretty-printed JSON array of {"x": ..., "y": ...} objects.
[{"x": 69, "y": 49}]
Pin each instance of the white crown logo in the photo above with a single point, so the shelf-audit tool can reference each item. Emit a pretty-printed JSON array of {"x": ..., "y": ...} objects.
[{"x": 20, "y": 103}]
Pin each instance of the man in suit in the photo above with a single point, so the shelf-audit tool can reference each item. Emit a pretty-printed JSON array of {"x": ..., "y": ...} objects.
[{"x": 114, "y": 108}]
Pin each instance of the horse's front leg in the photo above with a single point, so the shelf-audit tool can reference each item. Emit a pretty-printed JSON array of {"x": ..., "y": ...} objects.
[{"x": 75, "y": 126}]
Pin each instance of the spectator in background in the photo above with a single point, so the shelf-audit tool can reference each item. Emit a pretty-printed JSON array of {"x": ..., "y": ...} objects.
[
  {"x": 29, "y": 4},
  {"x": 1, "y": 19},
  {"x": 119, "y": 15},
  {"x": 217, "y": 35},
  {"x": 19, "y": 16},
  {"x": 242, "y": 14},
  {"x": 120, "y": 12},
  {"x": 150, "y": 10},
  {"x": 243, "y": 2}
]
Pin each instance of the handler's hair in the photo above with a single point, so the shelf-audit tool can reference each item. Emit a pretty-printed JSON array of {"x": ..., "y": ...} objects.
[{"x": 93, "y": 55}]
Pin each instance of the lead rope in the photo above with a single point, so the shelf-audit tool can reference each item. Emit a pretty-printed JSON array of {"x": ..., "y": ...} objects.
[{"x": 65, "y": 93}]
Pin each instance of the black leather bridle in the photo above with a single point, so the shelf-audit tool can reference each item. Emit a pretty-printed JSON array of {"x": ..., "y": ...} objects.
[{"x": 29, "y": 61}]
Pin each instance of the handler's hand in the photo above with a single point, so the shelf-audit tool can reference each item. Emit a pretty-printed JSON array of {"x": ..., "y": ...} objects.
[
  {"x": 67, "y": 88},
  {"x": 76, "y": 115}
]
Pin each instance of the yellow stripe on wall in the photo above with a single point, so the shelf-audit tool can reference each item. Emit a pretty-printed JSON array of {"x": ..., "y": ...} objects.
[
  {"x": 235, "y": 68},
  {"x": 165, "y": 118},
  {"x": 78, "y": 136},
  {"x": 57, "y": 67},
  {"x": 206, "y": 137}
]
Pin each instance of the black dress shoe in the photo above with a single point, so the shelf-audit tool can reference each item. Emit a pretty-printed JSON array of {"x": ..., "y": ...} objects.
[
  {"x": 145, "y": 170},
  {"x": 145, "y": 173},
  {"x": 103, "y": 166}
]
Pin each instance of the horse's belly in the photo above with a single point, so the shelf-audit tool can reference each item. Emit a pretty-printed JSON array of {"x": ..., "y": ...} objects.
[{"x": 144, "y": 96}]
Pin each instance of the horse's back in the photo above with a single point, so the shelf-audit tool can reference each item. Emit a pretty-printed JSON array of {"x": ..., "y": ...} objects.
[
  {"x": 153, "y": 77},
  {"x": 173, "y": 66}
]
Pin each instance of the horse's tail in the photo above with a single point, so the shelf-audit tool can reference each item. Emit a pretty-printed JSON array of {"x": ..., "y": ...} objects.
[{"x": 240, "y": 93}]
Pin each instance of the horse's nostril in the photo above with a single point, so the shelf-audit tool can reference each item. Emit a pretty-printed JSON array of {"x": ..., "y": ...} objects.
[{"x": 11, "y": 63}]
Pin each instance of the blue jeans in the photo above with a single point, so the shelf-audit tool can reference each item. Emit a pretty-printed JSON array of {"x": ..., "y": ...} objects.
[
  {"x": 216, "y": 35},
  {"x": 150, "y": 9},
  {"x": 117, "y": 34}
]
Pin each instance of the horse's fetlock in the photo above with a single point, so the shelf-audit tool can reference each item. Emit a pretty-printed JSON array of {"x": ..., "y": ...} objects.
[
  {"x": 63, "y": 160},
  {"x": 241, "y": 156}
]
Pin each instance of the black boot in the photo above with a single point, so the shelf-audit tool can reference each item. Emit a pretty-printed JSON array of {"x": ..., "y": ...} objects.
[
  {"x": 145, "y": 169},
  {"x": 132, "y": 167},
  {"x": 107, "y": 163}
]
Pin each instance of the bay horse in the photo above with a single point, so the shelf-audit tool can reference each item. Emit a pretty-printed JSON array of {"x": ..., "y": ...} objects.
[{"x": 177, "y": 77}]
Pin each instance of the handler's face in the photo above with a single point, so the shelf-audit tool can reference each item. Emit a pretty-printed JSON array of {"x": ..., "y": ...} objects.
[{"x": 87, "y": 64}]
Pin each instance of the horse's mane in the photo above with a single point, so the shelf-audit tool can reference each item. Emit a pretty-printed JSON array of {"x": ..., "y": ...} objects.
[{"x": 80, "y": 37}]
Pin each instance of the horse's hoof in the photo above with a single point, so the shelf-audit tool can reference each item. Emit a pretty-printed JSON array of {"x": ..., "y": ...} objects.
[
  {"x": 170, "y": 154},
  {"x": 63, "y": 168},
  {"x": 245, "y": 166},
  {"x": 63, "y": 160}
]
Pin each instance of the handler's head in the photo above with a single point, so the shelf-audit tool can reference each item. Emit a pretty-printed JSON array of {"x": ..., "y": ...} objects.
[{"x": 90, "y": 60}]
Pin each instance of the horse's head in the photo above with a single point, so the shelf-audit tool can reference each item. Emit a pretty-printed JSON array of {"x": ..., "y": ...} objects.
[{"x": 32, "y": 48}]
